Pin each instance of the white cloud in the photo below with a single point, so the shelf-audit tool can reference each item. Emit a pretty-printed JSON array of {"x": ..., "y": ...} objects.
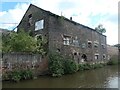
[
  {"x": 83, "y": 11},
  {"x": 11, "y": 18}
]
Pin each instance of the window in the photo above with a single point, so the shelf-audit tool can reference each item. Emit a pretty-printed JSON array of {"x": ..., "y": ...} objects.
[
  {"x": 89, "y": 44},
  {"x": 83, "y": 45},
  {"x": 96, "y": 56},
  {"x": 39, "y": 25},
  {"x": 66, "y": 40},
  {"x": 104, "y": 56},
  {"x": 103, "y": 46},
  {"x": 30, "y": 20},
  {"x": 96, "y": 43},
  {"x": 75, "y": 53},
  {"x": 58, "y": 50},
  {"x": 75, "y": 42}
]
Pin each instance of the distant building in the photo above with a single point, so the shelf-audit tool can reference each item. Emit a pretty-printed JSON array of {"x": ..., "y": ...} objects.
[{"x": 65, "y": 36}]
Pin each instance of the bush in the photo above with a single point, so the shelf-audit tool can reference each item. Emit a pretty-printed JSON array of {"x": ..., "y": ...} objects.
[
  {"x": 18, "y": 75},
  {"x": 112, "y": 62},
  {"x": 59, "y": 65},
  {"x": 26, "y": 74},
  {"x": 70, "y": 66},
  {"x": 56, "y": 67},
  {"x": 89, "y": 66},
  {"x": 15, "y": 76}
]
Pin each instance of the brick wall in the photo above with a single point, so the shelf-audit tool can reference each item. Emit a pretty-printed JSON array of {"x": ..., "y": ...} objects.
[{"x": 12, "y": 61}]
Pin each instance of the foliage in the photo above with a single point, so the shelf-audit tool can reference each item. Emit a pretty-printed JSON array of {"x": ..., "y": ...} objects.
[
  {"x": 26, "y": 74},
  {"x": 18, "y": 42},
  {"x": 18, "y": 75},
  {"x": 56, "y": 67},
  {"x": 6, "y": 43},
  {"x": 23, "y": 42},
  {"x": 100, "y": 29},
  {"x": 15, "y": 76},
  {"x": 88, "y": 66},
  {"x": 41, "y": 45},
  {"x": 112, "y": 62},
  {"x": 70, "y": 66},
  {"x": 59, "y": 65}
]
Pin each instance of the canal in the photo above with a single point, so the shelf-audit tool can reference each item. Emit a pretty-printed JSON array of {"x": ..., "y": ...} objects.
[{"x": 106, "y": 77}]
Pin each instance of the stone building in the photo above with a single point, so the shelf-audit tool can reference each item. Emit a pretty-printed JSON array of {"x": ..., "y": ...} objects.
[{"x": 65, "y": 36}]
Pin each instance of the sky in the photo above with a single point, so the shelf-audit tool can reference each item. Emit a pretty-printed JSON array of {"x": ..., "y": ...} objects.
[{"x": 87, "y": 12}]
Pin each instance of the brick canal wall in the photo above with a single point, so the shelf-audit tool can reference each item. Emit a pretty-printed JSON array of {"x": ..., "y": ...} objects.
[{"x": 12, "y": 61}]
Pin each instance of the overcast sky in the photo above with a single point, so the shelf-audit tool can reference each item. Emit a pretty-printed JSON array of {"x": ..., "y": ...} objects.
[{"x": 88, "y": 12}]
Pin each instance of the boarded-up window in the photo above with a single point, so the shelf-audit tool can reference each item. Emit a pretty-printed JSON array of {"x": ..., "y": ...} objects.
[{"x": 39, "y": 25}]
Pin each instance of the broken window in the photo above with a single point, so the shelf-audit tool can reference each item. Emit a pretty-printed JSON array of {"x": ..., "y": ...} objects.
[
  {"x": 66, "y": 40},
  {"x": 104, "y": 56},
  {"x": 75, "y": 53},
  {"x": 39, "y": 25},
  {"x": 89, "y": 44},
  {"x": 58, "y": 50},
  {"x": 30, "y": 20}
]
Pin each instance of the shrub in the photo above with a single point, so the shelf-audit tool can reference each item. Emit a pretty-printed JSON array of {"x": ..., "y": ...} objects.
[
  {"x": 59, "y": 65},
  {"x": 26, "y": 74},
  {"x": 70, "y": 66},
  {"x": 89, "y": 66},
  {"x": 56, "y": 67},
  {"x": 112, "y": 62},
  {"x": 18, "y": 75},
  {"x": 15, "y": 76}
]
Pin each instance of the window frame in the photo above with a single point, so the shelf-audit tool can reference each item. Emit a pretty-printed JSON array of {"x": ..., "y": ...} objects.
[{"x": 41, "y": 26}]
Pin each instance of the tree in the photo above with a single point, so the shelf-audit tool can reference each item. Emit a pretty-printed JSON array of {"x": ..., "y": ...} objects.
[
  {"x": 100, "y": 29},
  {"x": 19, "y": 42},
  {"x": 23, "y": 42}
]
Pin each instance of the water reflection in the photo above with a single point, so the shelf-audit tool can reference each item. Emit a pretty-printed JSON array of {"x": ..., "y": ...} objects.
[{"x": 106, "y": 77}]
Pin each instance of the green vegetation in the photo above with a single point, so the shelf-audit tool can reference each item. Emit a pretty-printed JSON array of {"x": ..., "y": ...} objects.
[
  {"x": 100, "y": 29},
  {"x": 56, "y": 67},
  {"x": 113, "y": 62},
  {"x": 23, "y": 42},
  {"x": 59, "y": 65},
  {"x": 18, "y": 75},
  {"x": 70, "y": 66},
  {"x": 88, "y": 66}
]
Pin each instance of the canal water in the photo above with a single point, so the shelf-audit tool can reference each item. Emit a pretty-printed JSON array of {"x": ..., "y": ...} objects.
[{"x": 106, "y": 77}]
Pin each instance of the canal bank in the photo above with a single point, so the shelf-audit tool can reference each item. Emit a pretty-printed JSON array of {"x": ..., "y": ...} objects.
[{"x": 106, "y": 77}]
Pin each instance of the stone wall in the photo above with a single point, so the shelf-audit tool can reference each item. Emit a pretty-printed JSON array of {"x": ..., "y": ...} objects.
[
  {"x": 12, "y": 61},
  {"x": 112, "y": 52}
]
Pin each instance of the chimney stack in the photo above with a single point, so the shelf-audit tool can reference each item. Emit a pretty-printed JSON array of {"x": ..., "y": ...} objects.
[{"x": 71, "y": 18}]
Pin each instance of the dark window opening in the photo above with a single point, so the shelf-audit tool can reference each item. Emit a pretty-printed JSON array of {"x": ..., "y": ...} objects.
[
  {"x": 104, "y": 56},
  {"x": 75, "y": 53},
  {"x": 30, "y": 16},
  {"x": 58, "y": 50},
  {"x": 84, "y": 57},
  {"x": 96, "y": 57},
  {"x": 89, "y": 45},
  {"x": 30, "y": 20}
]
